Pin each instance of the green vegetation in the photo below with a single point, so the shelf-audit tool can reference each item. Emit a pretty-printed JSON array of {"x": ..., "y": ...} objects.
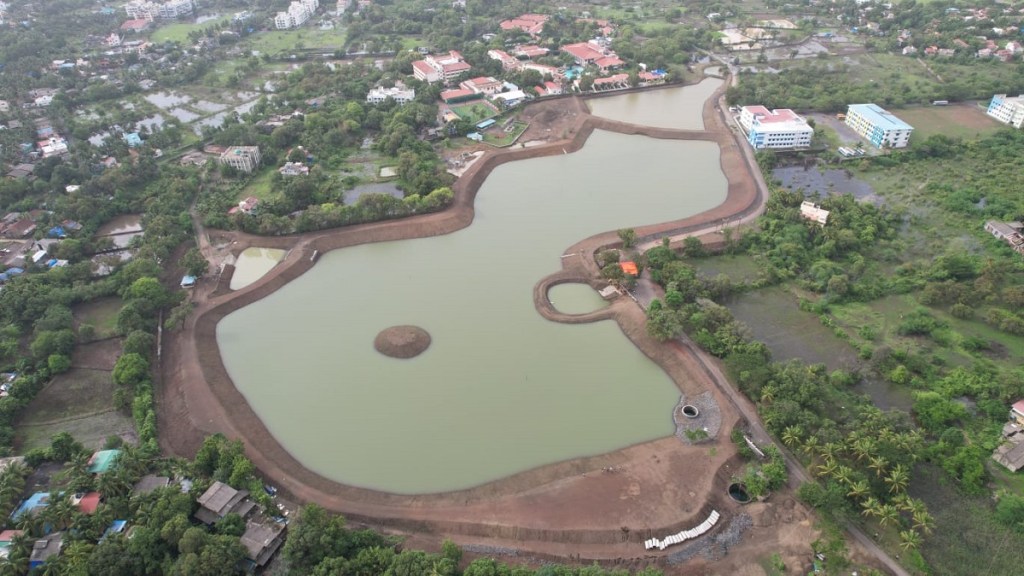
[{"x": 181, "y": 31}]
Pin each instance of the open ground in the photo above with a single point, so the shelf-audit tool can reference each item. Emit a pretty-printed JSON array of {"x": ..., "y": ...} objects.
[{"x": 573, "y": 510}]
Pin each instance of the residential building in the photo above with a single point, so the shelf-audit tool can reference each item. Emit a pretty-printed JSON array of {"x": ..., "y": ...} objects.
[
  {"x": 145, "y": 10},
  {"x": 247, "y": 206},
  {"x": 532, "y": 24},
  {"x": 261, "y": 541},
  {"x": 549, "y": 89},
  {"x": 813, "y": 212},
  {"x": 219, "y": 500},
  {"x": 508, "y": 62},
  {"x": 878, "y": 126},
  {"x": 1008, "y": 110},
  {"x": 138, "y": 25},
  {"x": 399, "y": 93},
  {"x": 779, "y": 128},
  {"x": 529, "y": 51},
  {"x": 510, "y": 99},
  {"x": 1017, "y": 412},
  {"x": 102, "y": 461},
  {"x": 482, "y": 85},
  {"x": 54, "y": 146},
  {"x": 293, "y": 169},
  {"x": 241, "y": 158},
  {"x": 299, "y": 11},
  {"x": 585, "y": 53},
  {"x": 613, "y": 82},
  {"x": 1013, "y": 234},
  {"x": 149, "y": 483},
  {"x": 6, "y": 539},
  {"x": 44, "y": 549},
  {"x": 440, "y": 67}
]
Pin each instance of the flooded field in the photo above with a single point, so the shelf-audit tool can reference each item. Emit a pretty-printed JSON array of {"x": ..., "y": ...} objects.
[
  {"x": 253, "y": 264},
  {"x": 575, "y": 298},
  {"x": 814, "y": 181}
]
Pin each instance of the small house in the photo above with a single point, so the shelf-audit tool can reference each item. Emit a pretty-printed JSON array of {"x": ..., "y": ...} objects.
[
  {"x": 87, "y": 503},
  {"x": 813, "y": 212},
  {"x": 116, "y": 527},
  {"x": 188, "y": 281},
  {"x": 629, "y": 268},
  {"x": 261, "y": 541},
  {"x": 219, "y": 500},
  {"x": 31, "y": 505},
  {"x": 6, "y": 539},
  {"x": 44, "y": 549},
  {"x": 1017, "y": 412},
  {"x": 149, "y": 483},
  {"x": 102, "y": 461}
]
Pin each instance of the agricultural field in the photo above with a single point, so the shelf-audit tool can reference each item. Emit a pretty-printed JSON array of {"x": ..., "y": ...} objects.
[
  {"x": 101, "y": 314},
  {"x": 80, "y": 401},
  {"x": 261, "y": 186}
]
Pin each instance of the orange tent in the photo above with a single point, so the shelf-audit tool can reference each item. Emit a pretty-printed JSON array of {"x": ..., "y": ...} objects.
[{"x": 629, "y": 268}]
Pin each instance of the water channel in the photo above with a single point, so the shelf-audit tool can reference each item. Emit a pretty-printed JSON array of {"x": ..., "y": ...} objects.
[{"x": 500, "y": 390}]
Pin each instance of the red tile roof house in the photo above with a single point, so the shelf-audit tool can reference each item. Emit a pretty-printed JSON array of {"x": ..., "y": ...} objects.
[
  {"x": 589, "y": 53},
  {"x": 446, "y": 67},
  {"x": 532, "y": 24},
  {"x": 483, "y": 85},
  {"x": 247, "y": 206},
  {"x": 136, "y": 26},
  {"x": 616, "y": 82},
  {"x": 530, "y": 51},
  {"x": 89, "y": 502}
]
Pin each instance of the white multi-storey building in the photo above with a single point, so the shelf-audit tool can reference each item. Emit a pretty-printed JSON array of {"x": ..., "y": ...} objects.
[
  {"x": 299, "y": 11},
  {"x": 1007, "y": 110},
  {"x": 399, "y": 93},
  {"x": 241, "y": 158},
  {"x": 146, "y": 10},
  {"x": 878, "y": 126},
  {"x": 780, "y": 128}
]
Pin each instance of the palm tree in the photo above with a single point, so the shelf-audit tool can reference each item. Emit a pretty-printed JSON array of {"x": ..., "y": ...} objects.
[
  {"x": 827, "y": 468},
  {"x": 897, "y": 479},
  {"x": 910, "y": 539},
  {"x": 767, "y": 395},
  {"x": 791, "y": 436},
  {"x": 859, "y": 489},
  {"x": 871, "y": 506},
  {"x": 829, "y": 450},
  {"x": 843, "y": 474},
  {"x": 811, "y": 444},
  {"x": 863, "y": 448},
  {"x": 888, "y": 513},
  {"x": 878, "y": 464},
  {"x": 923, "y": 520}
]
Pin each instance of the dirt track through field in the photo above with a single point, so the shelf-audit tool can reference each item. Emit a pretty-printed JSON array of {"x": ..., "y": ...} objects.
[{"x": 600, "y": 507}]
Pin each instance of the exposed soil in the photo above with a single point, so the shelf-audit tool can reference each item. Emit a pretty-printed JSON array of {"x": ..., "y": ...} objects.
[
  {"x": 593, "y": 508},
  {"x": 402, "y": 341}
]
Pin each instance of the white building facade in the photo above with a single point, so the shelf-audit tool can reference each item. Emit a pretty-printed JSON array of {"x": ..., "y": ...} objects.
[
  {"x": 780, "y": 128},
  {"x": 878, "y": 126},
  {"x": 144, "y": 10},
  {"x": 299, "y": 11},
  {"x": 1007, "y": 110},
  {"x": 399, "y": 93}
]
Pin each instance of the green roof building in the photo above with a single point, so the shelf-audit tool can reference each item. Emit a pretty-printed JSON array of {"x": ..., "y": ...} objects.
[{"x": 103, "y": 461}]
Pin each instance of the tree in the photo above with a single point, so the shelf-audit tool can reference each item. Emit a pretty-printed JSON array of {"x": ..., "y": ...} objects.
[
  {"x": 58, "y": 363},
  {"x": 63, "y": 447},
  {"x": 313, "y": 536},
  {"x": 859, "y": 489},
  {"x": 897, "y": 479},
  {"x": 791, "y": 436},
  {"x": 888, "y": 513},
  {"x": 194, "y": 263},
  {"x": 910, "y": 539},
  {"x": 130, "y": 369},
  {"x": 628, "y": 237}
]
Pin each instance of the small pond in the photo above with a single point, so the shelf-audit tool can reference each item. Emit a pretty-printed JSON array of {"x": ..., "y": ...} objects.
[
  {"x": 680, "y": 107},
  {"x": 167, "y": 100},
  {"x": 575, "y": 298},
  {"x": 252, "y": 264},
  {"x": 121, "y": 225}
]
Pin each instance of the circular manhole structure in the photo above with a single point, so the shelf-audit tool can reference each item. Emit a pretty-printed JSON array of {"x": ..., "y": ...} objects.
[
  {"x": 738, "y": 492},
  {"x": 690, "y": 411}
]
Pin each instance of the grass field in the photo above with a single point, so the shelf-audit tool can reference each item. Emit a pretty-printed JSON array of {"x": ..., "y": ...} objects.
[
  {"x": 959, "y": 121},
  {"x": 501, "y": 138},
  {"x": 178, "y": 32},
  {"x": 475, "y": 110},
  {"x": 282, "y": 42},
  {"x": 261, "y": 186},
  {"x": 101, "y": 314}
]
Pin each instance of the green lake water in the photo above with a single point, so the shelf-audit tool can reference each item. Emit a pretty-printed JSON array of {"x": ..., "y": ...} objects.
[
  {"x": 252, "y": 264},
  {"x": 500, "y": 390}
]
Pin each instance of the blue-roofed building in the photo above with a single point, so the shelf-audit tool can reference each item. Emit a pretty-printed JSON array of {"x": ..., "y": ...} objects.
[
  {"x": 133, "y": 139},
  {"x": 878, "y": 126},
  {"x": 31, "y": 505},
  {"x": 57, "y": 232},
  {"x": 116, "y": 527},
  {"x": 485, "y": 124}
]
